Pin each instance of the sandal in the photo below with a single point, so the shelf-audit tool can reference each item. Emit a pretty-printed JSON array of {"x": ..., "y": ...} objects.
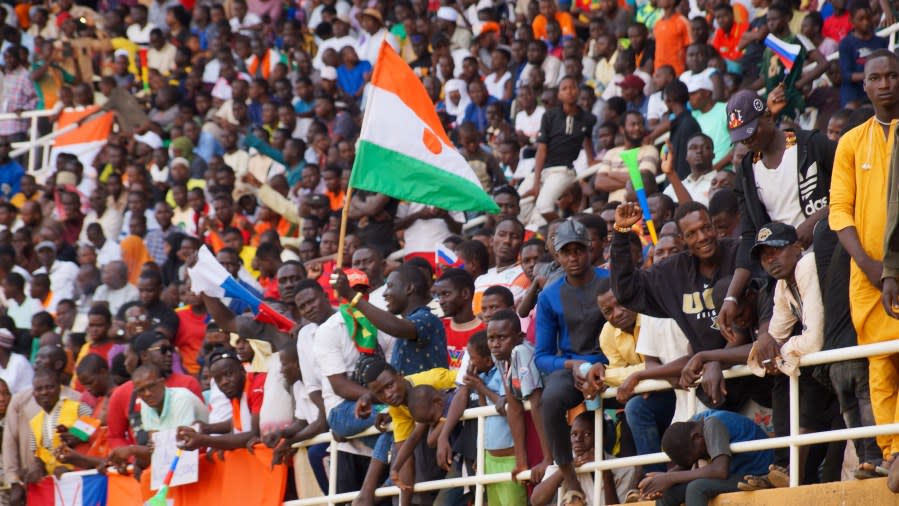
[
  {"x": 633, "y": 495},
  {"x": 573, "y": 498},
  {"x": 751, "y": 483},
  {"x": 867, "y": 470},
  {"x": 778, "y": 476}
]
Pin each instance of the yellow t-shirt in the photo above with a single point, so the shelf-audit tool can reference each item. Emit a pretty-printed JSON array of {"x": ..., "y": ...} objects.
[
  {"x": 620, "y": 347},
  {"x": 403, "y": 424}
]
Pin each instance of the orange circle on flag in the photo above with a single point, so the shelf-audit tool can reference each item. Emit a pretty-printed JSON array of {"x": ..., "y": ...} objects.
[{"x": 431, "y": 141}]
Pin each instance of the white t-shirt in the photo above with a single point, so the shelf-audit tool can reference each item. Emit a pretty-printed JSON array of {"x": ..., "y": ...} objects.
[
  {"x": 656, "y": 108},
  {"x": 663, "y": 338},
  {"x": 697, "y": 187},
  {"x": 335, "y": 353},
  {"x": 425, "y": 235},
  {"x": 140, "y": 35},
  {"x": 249, "y": 20},
  {"x": 17, "y": 374},
  {"x": 512, "y": 278},
  {"x": 778, "y": 189},
  {"x": 312, "y": 378},
  {"x": 529, "y": 123},
  {"x": 495, "y": 87}
]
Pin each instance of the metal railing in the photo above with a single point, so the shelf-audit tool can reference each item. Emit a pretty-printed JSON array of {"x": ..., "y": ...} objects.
[
  {"x": 31, "y": 145},
  {"x": 793, "y": 441}
]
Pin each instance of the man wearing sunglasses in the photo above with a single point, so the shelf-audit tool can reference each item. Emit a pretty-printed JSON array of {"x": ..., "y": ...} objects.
[
  {"x": 162, "y": 408},
  {"x": 785, "y": 177},
  {"x": 151, "y": 348}
]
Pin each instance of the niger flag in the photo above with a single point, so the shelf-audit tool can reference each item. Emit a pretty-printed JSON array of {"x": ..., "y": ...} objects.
[{"x": 403, "y": 149}]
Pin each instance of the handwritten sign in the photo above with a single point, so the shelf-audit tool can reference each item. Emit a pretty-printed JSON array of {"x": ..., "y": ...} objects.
[{"x": 164, "y": 449}]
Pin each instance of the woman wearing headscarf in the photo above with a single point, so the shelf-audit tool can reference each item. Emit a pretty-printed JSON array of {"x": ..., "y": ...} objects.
[
  {"x": 455, "y": 99},
  {"x": 184, "y": 147},
  {"x": 135, "y": 255}
]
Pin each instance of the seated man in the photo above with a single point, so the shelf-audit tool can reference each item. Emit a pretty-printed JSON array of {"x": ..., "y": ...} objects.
[
  {"x": 707, "y": 436},
  {"x": 242, "y": 419},
  {"x": 162, "y": 408},
  {"x": 583, "y": 446},
  {"x": 48, "y": 438}
]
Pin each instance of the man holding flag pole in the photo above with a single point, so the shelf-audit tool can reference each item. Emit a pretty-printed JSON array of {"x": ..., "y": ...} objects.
[{"x": 405, "y": 153}]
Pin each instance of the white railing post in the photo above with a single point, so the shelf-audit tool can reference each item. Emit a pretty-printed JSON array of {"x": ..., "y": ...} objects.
[
  {"x": 32, "y": 136},
  {"x": 479, "y": 472},
  {"x": 598, "y": 451},
  {"x": 794, "y": 431},
  {"x": 332, "y": 472}
]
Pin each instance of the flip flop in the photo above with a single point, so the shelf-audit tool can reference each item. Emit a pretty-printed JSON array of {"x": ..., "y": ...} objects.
[
  {"x": 633, "y": 495},
  {"x": 778, "y": 476},
  {"x": 573, "y": 498},
  {"x": 751, "y": 483}
]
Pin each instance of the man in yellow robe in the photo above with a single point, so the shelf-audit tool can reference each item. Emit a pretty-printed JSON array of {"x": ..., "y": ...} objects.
[{"x": 858, "y": 196}]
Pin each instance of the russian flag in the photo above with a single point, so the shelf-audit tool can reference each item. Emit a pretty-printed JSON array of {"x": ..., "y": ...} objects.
[
  {"x": 445, "y": 258},
  {"x": 210, "y": 277},
  {"x": 787, "y": 53}
]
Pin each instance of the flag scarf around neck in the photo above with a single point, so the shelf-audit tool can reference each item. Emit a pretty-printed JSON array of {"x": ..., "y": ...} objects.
[
  {"x": 210, "y": 277},
  {"x": 404, "y": 151},
  {"x": 361, "y": 330}
]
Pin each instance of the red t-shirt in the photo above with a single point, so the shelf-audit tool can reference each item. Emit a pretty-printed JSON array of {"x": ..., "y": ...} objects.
[
  {"x": 255, "y": 391},
  {"x": 189, "y": 338},
  {"x": 457, "y": 336},
  {"x": 837, "y": 27},
  {"x": 117, "y": 413}
]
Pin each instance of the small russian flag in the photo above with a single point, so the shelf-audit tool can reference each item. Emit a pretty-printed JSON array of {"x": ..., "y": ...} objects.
[
  {"x": 210, "y": 277},
  {"x": 787, "y": 53},
  {"x": 445, "y": 258}
]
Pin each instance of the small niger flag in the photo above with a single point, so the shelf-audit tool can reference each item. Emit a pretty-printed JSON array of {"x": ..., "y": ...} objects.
[{"x": 84, "y": 427}]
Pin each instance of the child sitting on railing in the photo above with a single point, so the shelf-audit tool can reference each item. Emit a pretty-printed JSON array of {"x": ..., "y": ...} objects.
[{"x": 387, "y": 386}]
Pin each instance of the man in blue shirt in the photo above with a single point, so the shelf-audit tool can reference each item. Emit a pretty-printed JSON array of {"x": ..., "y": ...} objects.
[
  {"x": 568, "y": 326},
  {"x": 854, "y": 50},
  {"x": 11, "y": 171}
]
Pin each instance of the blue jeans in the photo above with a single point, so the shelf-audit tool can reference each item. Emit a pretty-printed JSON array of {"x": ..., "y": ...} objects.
[
  {"x": 317, "y": 462},
  {"x": 343, "y": 422},
  {"x": 648, "y": 418}
]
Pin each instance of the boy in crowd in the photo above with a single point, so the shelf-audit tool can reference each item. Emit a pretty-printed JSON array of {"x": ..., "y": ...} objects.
[
  {"x": 454, "y": 291},
  {"x": 707, "y": 436},
  {"x": 387, "y": 386}
]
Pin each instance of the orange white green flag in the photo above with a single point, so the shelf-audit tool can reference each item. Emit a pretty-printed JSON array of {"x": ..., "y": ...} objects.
[{"x": 403, "y": 149}]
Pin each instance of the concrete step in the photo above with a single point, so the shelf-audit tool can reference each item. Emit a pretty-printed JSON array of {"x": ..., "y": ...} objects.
[{"x": 844, "y": 493}]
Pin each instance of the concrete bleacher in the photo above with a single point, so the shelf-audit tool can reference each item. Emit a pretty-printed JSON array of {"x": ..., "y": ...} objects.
[{"x": 841, "y": 493}]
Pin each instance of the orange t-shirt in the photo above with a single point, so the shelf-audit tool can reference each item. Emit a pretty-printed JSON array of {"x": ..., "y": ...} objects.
[
  {"x": 672, "y": 36},
  {"x": 726, "y": 43},
  {"x": 566, "y": 22}
]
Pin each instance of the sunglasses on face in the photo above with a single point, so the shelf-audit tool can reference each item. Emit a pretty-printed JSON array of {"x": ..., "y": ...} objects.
[{"x": 165, "y": 349}]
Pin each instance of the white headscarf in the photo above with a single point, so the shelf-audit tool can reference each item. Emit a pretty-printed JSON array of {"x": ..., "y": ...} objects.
[{"x": 459, "y": 85}]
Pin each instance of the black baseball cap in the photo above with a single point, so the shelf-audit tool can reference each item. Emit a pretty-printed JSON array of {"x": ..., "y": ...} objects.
[
  {"x": 570, "y": 231},
  {"x": 776, "y": 235},
  {"x": 743, "y": 112}
]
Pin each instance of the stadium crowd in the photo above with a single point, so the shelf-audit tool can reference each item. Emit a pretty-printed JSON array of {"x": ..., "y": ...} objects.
[{"x": 763, "y": 134}]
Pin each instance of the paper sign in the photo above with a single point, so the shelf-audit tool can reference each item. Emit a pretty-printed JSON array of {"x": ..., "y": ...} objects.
[{"x": 164, "y": 449}]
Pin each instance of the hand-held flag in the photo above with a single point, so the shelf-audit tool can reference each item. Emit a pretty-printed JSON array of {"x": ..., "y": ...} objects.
[{"x": 630, "y": 161}]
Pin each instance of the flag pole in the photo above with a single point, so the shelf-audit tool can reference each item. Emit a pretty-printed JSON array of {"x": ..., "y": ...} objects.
[{"x": 344, "y": 215}]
